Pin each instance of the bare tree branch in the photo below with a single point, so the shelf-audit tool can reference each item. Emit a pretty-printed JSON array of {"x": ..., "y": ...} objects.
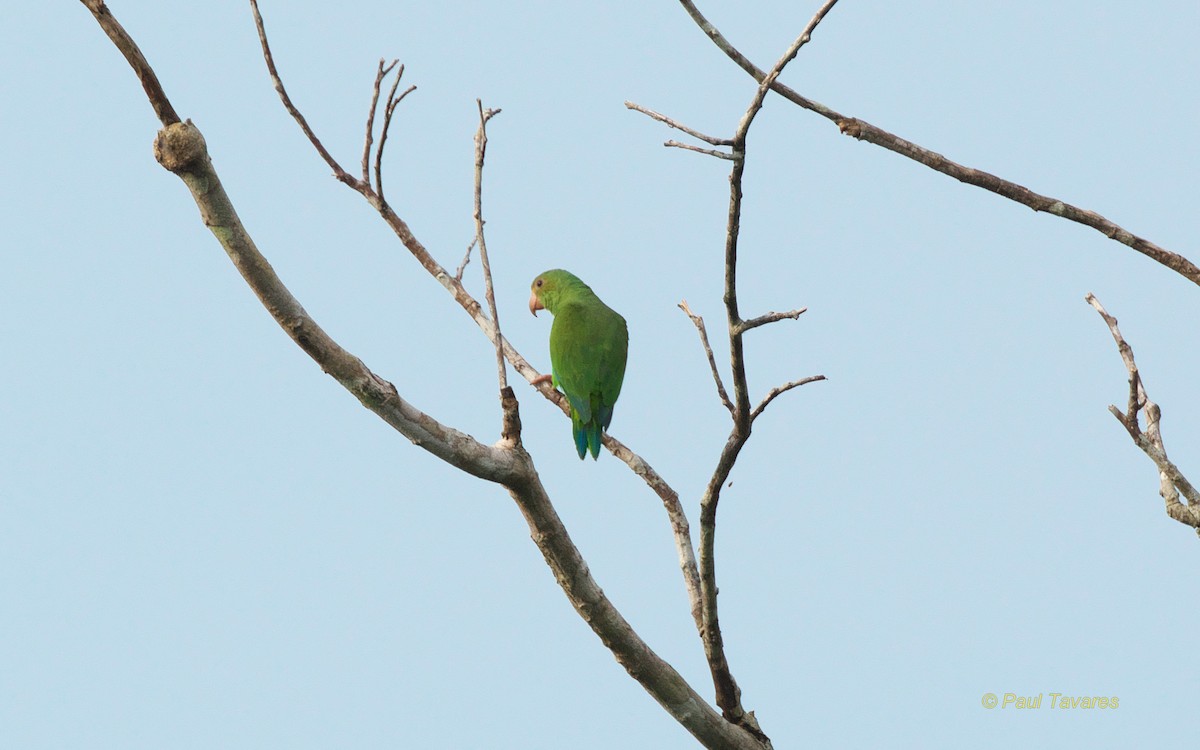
[
  {"x": 777, "y": 390},
  {"x": 489, "y": 292},
  {"x": 125, "y": 44},
  {"x": 393, "y": 101},
  {"x": 678, "y": 125},
  {"x": 769, "y": 79},
  {"x": 1172, "y": 482},
  {"x": 708, "y": 352},
  {"x": 368, "y": 139},
  {"x": 688, "y": 147},
  {"x": 181, "y": 149},
  {"x": 680, "y": 528},
  {"x": 462, "y": 267},
  {"x": 771, "y": 317},
  {"x": 338, "y": 172},
  {"x": 865, "y": 131},
  {"x": 727, "y": 692},
  {"x": 655, "y": 675},
  {"x": 694, "y": 133}
]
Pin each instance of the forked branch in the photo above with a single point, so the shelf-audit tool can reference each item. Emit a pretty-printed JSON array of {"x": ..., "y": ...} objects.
[
  {"x": 1172, "y": 482},
  {"x": 671, "y": 123},
  {"x": 393, "y": 101},
  {"x": 728, "y": 695},
  {"x": 380, "y": 74}
]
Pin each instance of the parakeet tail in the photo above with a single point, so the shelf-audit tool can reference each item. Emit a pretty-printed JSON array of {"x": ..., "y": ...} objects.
[{"x": 587, "y": 436}]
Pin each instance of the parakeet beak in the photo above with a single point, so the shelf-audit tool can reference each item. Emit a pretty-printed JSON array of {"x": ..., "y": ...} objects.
[{"x": 535, "y": 304}]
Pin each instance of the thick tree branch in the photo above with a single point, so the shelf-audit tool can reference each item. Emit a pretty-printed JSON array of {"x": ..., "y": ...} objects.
[
  {"x": 1172, "y": 482},
  {"x": 865, "y": 131},
  {"x": 181, "y": 149},
  {"x": 655, "y": 675}
]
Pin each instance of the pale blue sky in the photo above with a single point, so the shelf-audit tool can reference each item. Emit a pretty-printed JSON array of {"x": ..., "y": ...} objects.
[{"x": 205, "y": 542}]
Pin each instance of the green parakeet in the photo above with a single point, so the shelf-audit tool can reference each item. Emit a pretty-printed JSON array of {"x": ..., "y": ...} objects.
[{"x": 588, "y": 347}]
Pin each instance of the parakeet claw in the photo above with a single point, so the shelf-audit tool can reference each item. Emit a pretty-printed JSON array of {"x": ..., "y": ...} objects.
[{"x": 547, "y": 378}]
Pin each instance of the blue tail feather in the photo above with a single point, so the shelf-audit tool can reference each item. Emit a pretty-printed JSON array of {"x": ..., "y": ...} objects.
[{"x": 587, "y": 436}]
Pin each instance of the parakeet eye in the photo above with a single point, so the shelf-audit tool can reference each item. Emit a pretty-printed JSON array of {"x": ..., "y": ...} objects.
[{"x": 538, "y": 282}]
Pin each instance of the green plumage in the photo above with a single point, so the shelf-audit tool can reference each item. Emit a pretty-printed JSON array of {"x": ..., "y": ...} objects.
[{"x": 589, "y": 344}]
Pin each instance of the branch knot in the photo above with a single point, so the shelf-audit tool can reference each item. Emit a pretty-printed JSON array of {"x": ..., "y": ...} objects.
[{"x": 179, "y": 146}]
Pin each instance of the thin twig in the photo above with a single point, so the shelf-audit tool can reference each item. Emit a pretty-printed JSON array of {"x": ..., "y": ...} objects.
[
  {"x": 678, "y": 125},
  {"x": 865, "y": 131},
  {"x": 708, "y": 352},
  {"x": 1172, "y": 482},
  {"x": 710, "y": 152},
  {"x": 338, "y": 172},
  {"x": 366, "y": 157},
  {"x": 458, "y": 274},
  {"x": 489, "y": 291},
  {"x": 393, "y": 102},
  {"x": 779, "y": 389},
  {"x": 771, "y": 317}
]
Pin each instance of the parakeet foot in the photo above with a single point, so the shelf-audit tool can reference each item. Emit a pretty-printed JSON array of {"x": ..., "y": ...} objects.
[{"x": 547, "y": 378}]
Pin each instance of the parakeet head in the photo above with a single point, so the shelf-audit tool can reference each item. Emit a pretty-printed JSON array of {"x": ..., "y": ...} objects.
[{"x": 548, "y": 287}]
